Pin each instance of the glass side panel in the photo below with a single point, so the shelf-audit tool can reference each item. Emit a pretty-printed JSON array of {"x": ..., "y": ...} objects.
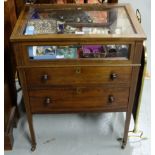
[
  {"x": 112, "y": 52},
  {"x": 78, "y": 21}
]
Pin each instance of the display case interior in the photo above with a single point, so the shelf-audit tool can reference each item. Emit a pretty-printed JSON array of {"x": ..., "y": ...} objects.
[
  {"x": 78, "y": 20},
  {"x": 112, "y": 52}
]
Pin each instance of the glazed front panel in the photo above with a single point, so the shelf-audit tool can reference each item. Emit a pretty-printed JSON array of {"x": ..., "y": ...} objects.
[{"x": 75, "y": 53}]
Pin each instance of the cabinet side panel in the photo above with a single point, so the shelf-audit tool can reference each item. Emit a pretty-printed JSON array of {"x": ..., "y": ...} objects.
[{"x": 138, "y": 52}]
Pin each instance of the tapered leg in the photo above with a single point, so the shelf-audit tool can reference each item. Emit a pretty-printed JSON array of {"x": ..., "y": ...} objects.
[
  {"x": 30, "y": 123},
  {"x": 126, "y": 129},
  {"x": 28, "y": 109},
  {"x": 130, "y": 107}
]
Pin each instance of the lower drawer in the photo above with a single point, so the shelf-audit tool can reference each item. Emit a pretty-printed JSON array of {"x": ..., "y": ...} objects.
[{"x": 63, "y": 99}]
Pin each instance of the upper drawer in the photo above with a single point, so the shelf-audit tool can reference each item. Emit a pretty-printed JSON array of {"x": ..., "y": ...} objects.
[
  {"x": 78, "y": 75},
  {"x": 73, "y": 53}
]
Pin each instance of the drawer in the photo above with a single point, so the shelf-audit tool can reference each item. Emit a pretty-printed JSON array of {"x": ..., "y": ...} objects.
[
  {"x": 78, "y": 75},
  {"x": 61, "y": 99}
]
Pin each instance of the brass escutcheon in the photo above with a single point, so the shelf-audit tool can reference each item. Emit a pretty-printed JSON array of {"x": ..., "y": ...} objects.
[{"x": 78, "y": 70}]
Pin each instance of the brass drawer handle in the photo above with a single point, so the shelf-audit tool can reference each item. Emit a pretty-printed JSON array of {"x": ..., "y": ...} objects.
[
  {"x": 111, "y": 99},
  {"x": 44, "y": 78},
  {"x": 78, "y": 91},
  {"x": 113, "y": 76},
  {"x": 78, "y": 70},
  {"x": 47, "y": 101}
]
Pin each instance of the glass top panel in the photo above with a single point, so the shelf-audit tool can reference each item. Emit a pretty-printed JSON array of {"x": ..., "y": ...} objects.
[{"x": 78, "y": 21}]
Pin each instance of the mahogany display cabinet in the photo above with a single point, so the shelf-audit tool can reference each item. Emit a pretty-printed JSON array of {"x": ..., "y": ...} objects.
[{"x": 78, "y": 58}]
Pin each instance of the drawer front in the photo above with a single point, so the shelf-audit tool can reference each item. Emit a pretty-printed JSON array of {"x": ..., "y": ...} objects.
[
  {"x": 77, "y": 98},
  {"x": 78, "y": 75}
]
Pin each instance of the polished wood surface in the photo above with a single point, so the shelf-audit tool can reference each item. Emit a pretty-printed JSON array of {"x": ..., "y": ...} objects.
[
  {"x": 19, "y": 4},
  {"x": 78, "y": 98},
  {"x": 112, "y": 1},
  {"x": 78, "y": 75}
]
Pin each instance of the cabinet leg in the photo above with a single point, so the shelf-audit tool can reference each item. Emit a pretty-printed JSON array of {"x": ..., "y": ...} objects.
[
  {"x": 22, "y": 77},
  {"x": 33, "y": 147},
  {"x": 33, "y": 141},
  {"x": 126, "y": 129},
  {"x": 123, "y": 144},
  {"x": 134, "y": 79}
]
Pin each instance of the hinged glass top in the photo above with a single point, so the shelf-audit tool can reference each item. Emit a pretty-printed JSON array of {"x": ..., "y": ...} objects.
[{"x": 97, "y": 20}]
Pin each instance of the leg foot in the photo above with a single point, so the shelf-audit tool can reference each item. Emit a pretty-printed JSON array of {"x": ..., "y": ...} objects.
[
  {"x": 123, "y": 144},
  {"x": 33, "y": 147}
]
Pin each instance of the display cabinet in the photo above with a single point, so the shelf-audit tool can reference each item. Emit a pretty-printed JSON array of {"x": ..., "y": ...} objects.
[{"x": 90, "y": 54}]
